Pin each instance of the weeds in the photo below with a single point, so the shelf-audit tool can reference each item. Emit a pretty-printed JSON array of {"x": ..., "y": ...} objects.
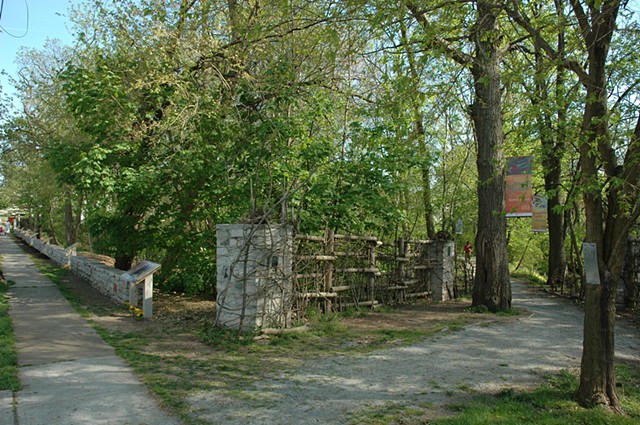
[
  {"x": 8, "y": 355},
  {"x": 552, "y": 403}
]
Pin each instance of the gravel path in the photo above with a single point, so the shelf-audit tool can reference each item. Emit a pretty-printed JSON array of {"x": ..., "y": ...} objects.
[{"x": 437, "y": 371}]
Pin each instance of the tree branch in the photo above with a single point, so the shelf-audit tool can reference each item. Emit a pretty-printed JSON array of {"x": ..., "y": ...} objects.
[
  {"x": 624, "y": 95},
  {"x": 631, "y": 172},
  {"x": 439, "y": 41},
  {"x": 525, "y": 23},
  {"x": 583, "y": 20}
]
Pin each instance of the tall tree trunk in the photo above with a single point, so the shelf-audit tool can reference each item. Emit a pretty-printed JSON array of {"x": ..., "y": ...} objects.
[
  {"x": 492, "y": 287},
  {"x": 128, "y": 240},
  {"x": 72, "y": 220},
  {"x": 52, "y": 230},
  {"x": 426, "y": 201},
  {"x": 597, "y": 373},
  {"x": 69, "y": 222},
  {"x": 553, "y": 148},
  {"x": 123, "y": 261},
  {"x": 557, "y": 260}
]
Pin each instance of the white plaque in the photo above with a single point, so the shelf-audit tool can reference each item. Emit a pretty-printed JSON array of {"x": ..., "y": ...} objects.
[
  {"x": 459, "y": 227},
  {"x": 592, "y": 271}
]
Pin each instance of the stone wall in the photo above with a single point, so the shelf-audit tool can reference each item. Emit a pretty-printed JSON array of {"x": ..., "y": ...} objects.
[
  {"x": 57, "y": 254},
  {"x": 254, "y": 276},
  {"x": 441, "y": 270},
  {"x": 108, "y": 280}
]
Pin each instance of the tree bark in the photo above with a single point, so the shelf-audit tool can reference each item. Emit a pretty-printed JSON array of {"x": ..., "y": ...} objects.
[
  {"x": 553, "y": 148},
  {"x": 70, "y": 228},
  {"x": 123, "y": 262},
  {"x": 597, "y": 373},
  {"x": 492, "y": 287}
]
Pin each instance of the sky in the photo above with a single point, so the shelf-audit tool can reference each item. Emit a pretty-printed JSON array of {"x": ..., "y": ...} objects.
[{"x": 28, "y": 23}]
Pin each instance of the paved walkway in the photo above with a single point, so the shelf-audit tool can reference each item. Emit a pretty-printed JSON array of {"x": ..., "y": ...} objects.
[{"x": 68, "y": 374}]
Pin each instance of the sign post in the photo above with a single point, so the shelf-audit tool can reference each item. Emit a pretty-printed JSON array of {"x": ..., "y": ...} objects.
[
  {"x": 142, "y": 272},
  {"x": 71, "y": 251}
]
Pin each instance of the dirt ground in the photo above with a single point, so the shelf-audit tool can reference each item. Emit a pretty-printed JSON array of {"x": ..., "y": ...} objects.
[
  {"x": 486, "y": 354},
  {"x": 180, "y": 311}
]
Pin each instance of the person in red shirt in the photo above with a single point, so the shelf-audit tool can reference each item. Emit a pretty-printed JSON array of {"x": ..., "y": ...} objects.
[{"x": 467, "y": 250}]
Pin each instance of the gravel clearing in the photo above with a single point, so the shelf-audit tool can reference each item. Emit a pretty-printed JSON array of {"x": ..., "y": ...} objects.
[{"x": 485, "y": 358}]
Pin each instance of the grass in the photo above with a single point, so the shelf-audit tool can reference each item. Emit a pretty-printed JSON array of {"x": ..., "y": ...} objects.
[
  {"x": 8, "y": 356},
  {"x": 236, "y": 361},
  {"x": 532, "y": 277},
  {"x": 56, "y": 275},
  {"x": 391, "y": 413},
  {"x": 550, "y": 404}
]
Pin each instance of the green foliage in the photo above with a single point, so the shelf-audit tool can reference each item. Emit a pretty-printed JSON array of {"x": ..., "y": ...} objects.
[
  {"x": 169, "y": 118},
  {"x": 480, "y": 309},
  {"x": 531, "y": 277},
  {"x": 8, "y": 356},
  {"x": 184, "y": 260},
  {"x": 225, "y": 339},
  {"x": 509, "y": 313},
  {"x": 527, "y": 250}
]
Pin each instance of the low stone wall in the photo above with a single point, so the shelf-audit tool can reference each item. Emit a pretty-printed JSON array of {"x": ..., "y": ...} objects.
[
  {"x": 56, "y": 253},
  {"x": 108, "y": 280}
]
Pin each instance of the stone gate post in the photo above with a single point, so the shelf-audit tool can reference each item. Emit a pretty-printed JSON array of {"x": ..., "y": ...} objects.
[{"x": 254, "y": 282}]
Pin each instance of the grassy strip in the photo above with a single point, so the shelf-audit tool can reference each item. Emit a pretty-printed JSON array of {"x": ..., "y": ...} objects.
[
  {"x": 232, "y": 362},
  {"x": 8, "y": 356},
  {"x": 531, "y": 277},
  {"x": 171, "y": 378},
  {"x": 56, "y": 274},
  {"x": 552, "y": 403}
]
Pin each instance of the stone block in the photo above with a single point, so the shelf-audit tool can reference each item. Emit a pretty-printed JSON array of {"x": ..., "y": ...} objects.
[{"x": 246, "y": 291}]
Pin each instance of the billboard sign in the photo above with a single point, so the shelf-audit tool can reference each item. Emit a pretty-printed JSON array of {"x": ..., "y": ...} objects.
[{"x": 518, "y": 191}]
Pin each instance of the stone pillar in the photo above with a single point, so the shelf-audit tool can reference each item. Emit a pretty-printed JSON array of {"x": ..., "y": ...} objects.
[
  {"x": 254, "y": 283},
  {"x": 441, "y": 270}
]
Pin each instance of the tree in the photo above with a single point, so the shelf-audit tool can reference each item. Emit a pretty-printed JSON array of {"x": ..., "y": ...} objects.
[
  {"x": 547, "y": 117},
  {"x": 44, "y": 123},
  {"x": 254, "y": 118},
  {"x": 611, "y": 205},
  {"x": 492, "y": 287},
  {"x": 609, "y": 176},
  {"x": 553, "y": 140}
]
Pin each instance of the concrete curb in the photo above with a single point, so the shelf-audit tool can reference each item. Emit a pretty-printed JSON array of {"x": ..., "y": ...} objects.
[{"x": 6, "y": 408}]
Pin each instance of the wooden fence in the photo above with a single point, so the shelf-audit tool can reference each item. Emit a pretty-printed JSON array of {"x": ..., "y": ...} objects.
[{"x": 335, "y": 271}]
